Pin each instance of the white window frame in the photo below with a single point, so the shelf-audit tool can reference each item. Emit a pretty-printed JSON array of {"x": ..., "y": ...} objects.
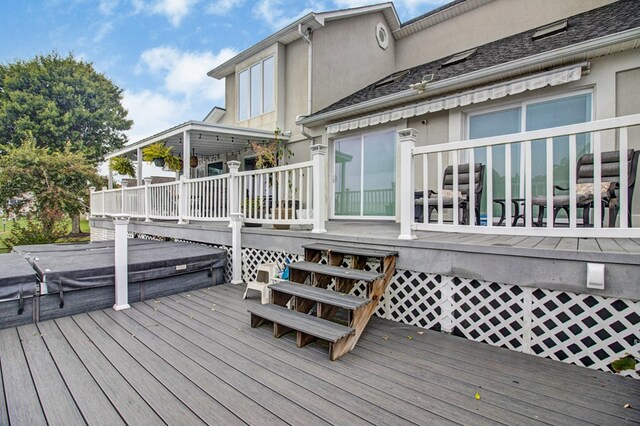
[
  {"x": 462, "y": 156},
  {"x": 249, "y": 89},
  {"x": 333, "y": 179}
]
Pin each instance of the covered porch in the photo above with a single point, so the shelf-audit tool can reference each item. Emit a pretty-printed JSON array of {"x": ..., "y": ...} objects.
[{"x": 203, "y": 148}]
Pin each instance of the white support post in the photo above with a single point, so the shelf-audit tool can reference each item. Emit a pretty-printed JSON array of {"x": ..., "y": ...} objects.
[
  {"x": 236, "y": 248},
  {"x": 318, "y": 154},
  {"x": 407, "y": 140},
  {"x": 182, "y": 200},
  {"x": 104, "y": 198},
  {"x": 186, "y": 153},
  {"x": 92, "y": 194},
  {"x": 120, "y": 224},
  {"x": 139, "y": 165},
  {"x": 234, "y": 189},
  {"x": 147, "y": 199},
  {"x": 123, "y": 209}
]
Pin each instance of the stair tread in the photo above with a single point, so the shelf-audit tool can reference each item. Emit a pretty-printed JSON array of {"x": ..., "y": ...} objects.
[
  {"x": 357, "y": 251},
  {"x": 317, "y": 327},
  {"x": 321, "y": 295},
  {"x": 336, "y": 271}
]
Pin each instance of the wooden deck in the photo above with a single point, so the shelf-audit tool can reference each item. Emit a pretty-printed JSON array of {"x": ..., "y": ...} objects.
[{"x": 193, "y": 358}]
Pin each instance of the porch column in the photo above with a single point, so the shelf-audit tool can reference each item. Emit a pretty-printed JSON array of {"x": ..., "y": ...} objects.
[
  {"x": 407, "y": 140},
  {"x": 120, "y": 225},
  {"x": 186, "y": 153},
  {"x": 318, "y": 157},
  {"x": 233, "y": 190},
  {"x": 147, "y": 199},
  {"x": 139, "y": 166},
  {"x": 182, "y": 200}
]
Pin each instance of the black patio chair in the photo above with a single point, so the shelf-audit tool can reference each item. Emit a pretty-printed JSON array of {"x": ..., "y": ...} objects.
[
  {"x": 610, "y": 174},
  {"x": 463, "y": 189}
]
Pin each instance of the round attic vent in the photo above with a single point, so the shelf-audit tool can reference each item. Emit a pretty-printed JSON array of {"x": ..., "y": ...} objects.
[{"x": 381, "y": 36}]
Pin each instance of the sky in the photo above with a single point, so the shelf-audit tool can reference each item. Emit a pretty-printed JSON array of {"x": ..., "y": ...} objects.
[{"x": 158, "y": 51}]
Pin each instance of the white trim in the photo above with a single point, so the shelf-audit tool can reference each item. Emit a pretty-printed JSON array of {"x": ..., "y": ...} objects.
[{"x": 483, "y": 94}]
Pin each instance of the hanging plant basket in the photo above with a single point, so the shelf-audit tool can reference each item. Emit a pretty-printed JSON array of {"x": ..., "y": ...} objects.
[
  {"x": 159, "y": 162},
  {"x": 193, "y": 161}
]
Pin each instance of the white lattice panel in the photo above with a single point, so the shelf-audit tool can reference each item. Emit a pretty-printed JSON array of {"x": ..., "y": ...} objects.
[
  {"x": 101, "y": 234},
  {"x": 583, "y": 329},
  {"x": 252, "y": 258},
  {"x": 414, "y": 298},
  {"x": 489, "y": 312}
]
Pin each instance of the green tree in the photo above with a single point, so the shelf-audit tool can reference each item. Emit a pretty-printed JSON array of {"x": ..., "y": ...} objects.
[
  {"x": 59, "y": 101},
  {"x": 55, "y": 182}
]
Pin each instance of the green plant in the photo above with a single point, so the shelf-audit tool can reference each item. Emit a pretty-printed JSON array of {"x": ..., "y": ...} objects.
[
  {"x": 272, "y": 154},
  {"x": 122, "y": 165},
  {"x": 159, "y": 151},
  {"x": 626, "y": 363},
  {"x": 47, "y": 229}
]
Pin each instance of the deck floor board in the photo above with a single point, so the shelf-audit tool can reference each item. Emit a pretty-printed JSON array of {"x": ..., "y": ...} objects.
[{"x": 193, "y": 358}]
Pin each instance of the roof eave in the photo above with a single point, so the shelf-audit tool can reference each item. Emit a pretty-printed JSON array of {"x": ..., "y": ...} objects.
[
  {"x": 466, "y": 79},
  {"x": 196, "y": 126}
]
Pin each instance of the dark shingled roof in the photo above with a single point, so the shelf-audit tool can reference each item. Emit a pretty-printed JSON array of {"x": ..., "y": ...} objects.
[{"x": 613, "y": 18}]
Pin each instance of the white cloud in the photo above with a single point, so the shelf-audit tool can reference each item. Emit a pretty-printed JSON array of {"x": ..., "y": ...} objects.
[
  {"x": 174, "y": 10},
  {"x": 276, "y": 14},
  {"x": 187, "y": 93},
  {"x": 103, "y": 31},
  {"x": 106, "y": 7},
  {"x": 185, "y": 73},
  {"x": 222, "y": 7}
]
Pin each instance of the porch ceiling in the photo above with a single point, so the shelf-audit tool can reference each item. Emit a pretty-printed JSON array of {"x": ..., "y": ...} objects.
[{"x": 205, "y": 139}]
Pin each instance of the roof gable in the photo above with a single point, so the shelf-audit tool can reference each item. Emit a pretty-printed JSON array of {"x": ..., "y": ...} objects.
[{"x": 607, "y": 20}]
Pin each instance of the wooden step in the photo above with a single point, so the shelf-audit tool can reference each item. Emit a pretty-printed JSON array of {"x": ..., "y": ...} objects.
[
  {"x": 307, "y": 324},
  {"x": 336, "y": 271},
  {"x": 354, "y": 251},
  {"x": 321, "y": 295}
]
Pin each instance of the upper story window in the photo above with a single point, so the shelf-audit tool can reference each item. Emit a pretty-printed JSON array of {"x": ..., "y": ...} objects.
[{"x": 256, "y": 89}]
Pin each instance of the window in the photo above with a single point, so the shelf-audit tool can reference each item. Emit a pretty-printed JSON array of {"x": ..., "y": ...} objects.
[
  {"x": 256, "y": 89},
  {"x": 528, "y": 116}
]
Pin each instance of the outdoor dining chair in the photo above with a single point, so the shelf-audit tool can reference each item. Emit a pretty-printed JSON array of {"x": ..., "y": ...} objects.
[{"x": 610, "y": 177}]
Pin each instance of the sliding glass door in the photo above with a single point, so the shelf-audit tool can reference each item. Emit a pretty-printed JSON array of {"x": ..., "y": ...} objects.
[{"x": 364, "y": 169}]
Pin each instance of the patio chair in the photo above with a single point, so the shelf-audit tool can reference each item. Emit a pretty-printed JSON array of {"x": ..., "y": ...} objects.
[
  {"x": 610, "y": 176},
  {"x": 463, "y": 193}
]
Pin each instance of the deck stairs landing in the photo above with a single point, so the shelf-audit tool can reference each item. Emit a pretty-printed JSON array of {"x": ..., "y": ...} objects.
[{"x": 310, "y": 307}]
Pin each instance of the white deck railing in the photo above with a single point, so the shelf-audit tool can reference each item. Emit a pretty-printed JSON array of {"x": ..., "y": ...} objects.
[
  {"x": 280, "y": 196},
  {"x": 614, "y": 131}
]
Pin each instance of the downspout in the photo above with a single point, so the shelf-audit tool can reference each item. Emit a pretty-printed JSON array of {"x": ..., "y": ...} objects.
[{"x": 306, "y": 36}]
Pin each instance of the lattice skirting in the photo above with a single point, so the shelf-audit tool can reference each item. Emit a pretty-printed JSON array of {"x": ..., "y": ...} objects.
[{"x": 582, "y": 329}]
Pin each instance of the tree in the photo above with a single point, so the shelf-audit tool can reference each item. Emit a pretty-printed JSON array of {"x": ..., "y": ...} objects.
[
  {"x": 56, "y": 183},
  {"x": 59, "y": 101}
]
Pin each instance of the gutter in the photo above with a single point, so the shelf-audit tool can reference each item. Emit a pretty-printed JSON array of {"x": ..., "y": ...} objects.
[
  {"x": 485, "y": 73},
  {"x": 306, "y": 36}
]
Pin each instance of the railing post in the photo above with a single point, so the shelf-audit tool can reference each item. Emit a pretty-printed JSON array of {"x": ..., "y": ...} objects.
[
  {"x": 92, "y": 193},
  {"x": 318, "y": 154},
  {"x": 235, "y": 222},
  {"x": 104, "y": 199},
  {"x": 147, "y": 199},
  {"x": 407, "y": 140},
  {"x": 233, "y": 189},
  {"x": 122, "y": 207},
  {"x": 120, "y": 225},
  {"x": 182, "y": 200}
]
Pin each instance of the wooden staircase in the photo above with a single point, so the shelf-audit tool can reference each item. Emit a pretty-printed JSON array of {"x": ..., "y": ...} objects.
[{"x": 305, "y": 304}]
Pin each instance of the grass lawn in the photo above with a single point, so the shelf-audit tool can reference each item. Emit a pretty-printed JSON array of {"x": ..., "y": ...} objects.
[{"x": 5, "y": 231}]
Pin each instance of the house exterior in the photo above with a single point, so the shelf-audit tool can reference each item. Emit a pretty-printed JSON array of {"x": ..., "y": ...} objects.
[
  {"x": 375, "y": 111},
  {"x": 319, "y": 92}
]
